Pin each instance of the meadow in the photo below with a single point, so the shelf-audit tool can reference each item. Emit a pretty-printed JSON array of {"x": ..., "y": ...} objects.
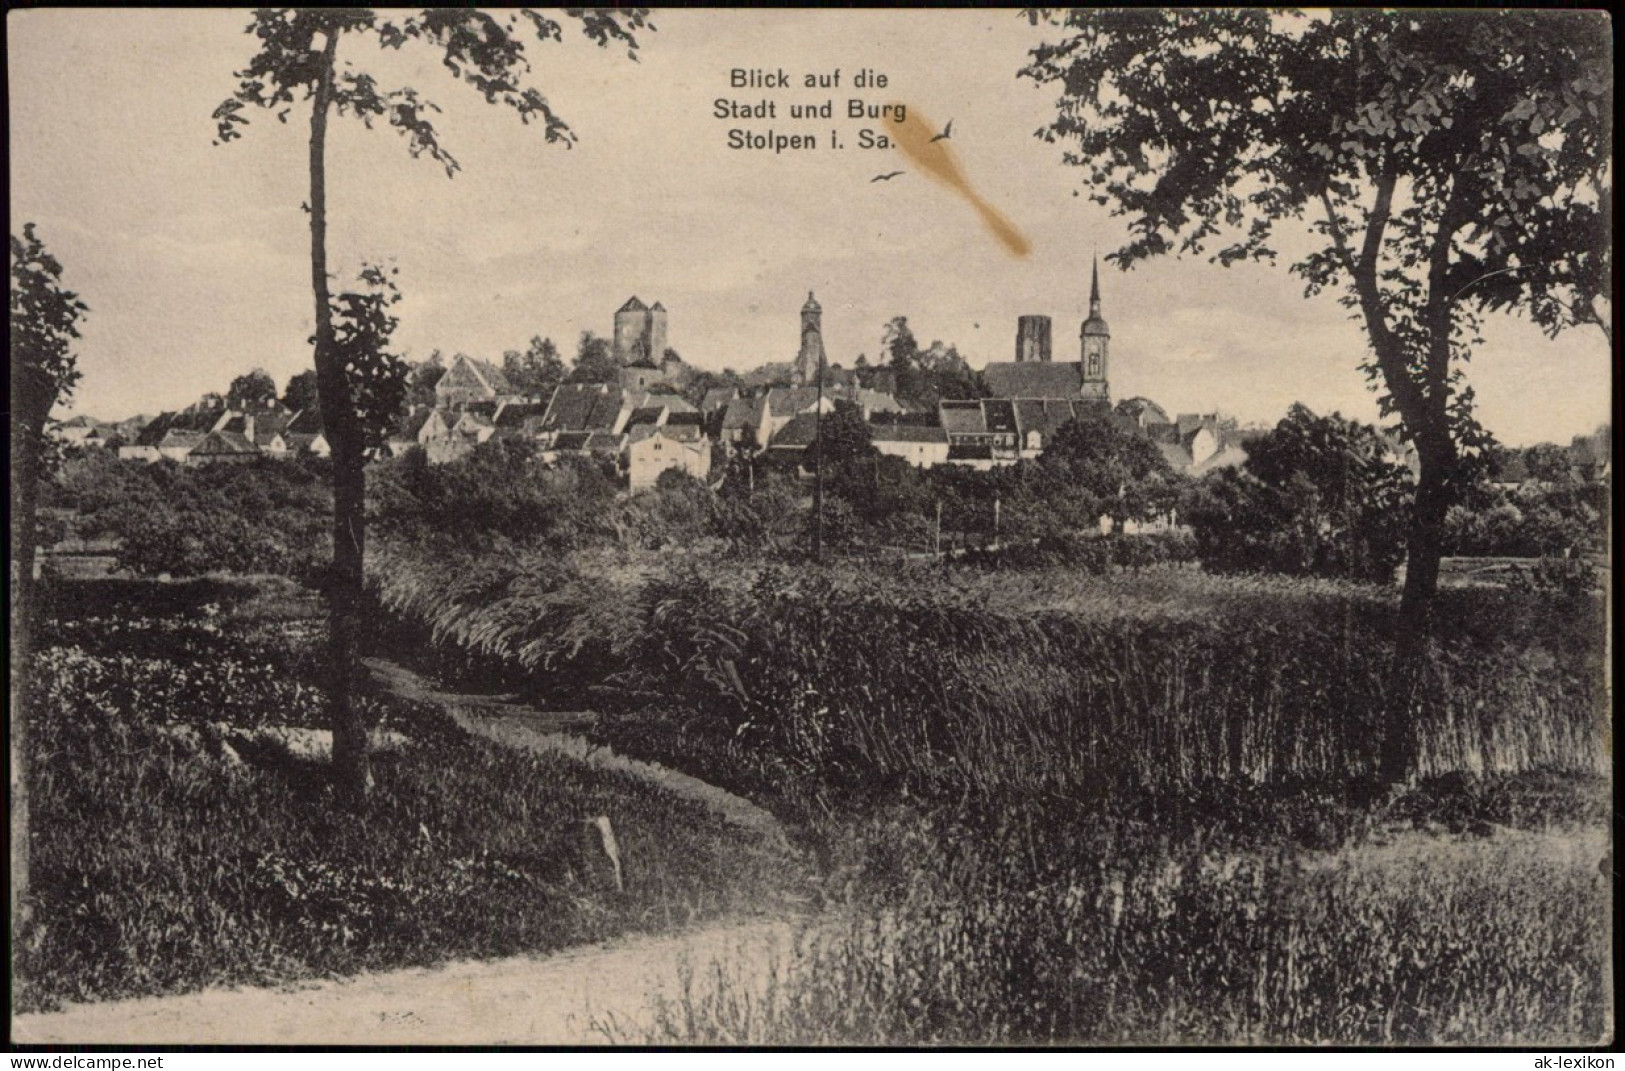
[
  {"x": 1137, "y": 808},
  {"x": 169, "y": 855}
]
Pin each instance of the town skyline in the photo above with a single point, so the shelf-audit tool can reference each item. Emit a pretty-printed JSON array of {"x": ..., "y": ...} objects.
[{"x": 192, "y": 257}]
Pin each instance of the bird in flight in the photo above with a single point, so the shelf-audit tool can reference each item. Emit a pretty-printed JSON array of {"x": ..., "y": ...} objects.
[
  {"x": 887, "y": 175},
  {"x": 947, "y": 131}
]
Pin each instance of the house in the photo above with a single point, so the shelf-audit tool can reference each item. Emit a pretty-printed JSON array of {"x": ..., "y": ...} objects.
[
  {"x": 786, "y": 403},
  {"x": 745, "y": 423},
  {"x": 653, "y": 448},
  {"x": 519, "y": 420},
  {"x": 470, "y": 380},
  {"x": 304, "y": 434},
  {"x": 171, "y": 436},
  {"x": 223, "y": 447},
  {"x": 916, "y": 444},
  {"x": 76, "y": 431},
  {"x": 578, "y": 408}
]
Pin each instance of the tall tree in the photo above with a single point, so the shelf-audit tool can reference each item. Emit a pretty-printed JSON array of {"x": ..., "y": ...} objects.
[
  {"x": 595, "y": 361},
  {"x": 537, "y": 370},
  {"x": 44, "y": 369},
  {"x": 300, "y": 393},
  {"x": 1451, "y": 163},
  {"x": 298, "y": 60},
  {"x": 253, "y": 390}
]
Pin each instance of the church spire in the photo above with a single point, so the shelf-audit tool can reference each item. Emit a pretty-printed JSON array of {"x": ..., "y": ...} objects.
[{"x": 1094, "y": 289}]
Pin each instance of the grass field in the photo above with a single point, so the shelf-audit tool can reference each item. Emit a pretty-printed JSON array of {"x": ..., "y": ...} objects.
[{"x": 161, "y": 863}]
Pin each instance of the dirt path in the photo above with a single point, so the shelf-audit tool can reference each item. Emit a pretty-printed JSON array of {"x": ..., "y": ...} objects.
[
  {"x": 508, "y": 720},
  {"x": 560, "y": 999},
  {"x": 553, "y": 1000}
]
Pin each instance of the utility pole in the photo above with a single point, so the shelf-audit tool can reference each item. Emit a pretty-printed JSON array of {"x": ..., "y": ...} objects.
[
  {"x": 995, "y": 520},
  {"x": 937, "y": 541}
]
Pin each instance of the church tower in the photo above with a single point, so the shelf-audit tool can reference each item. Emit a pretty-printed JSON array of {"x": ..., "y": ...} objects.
[
  {"x": 1096, "y": 337},
  {"x": 811, "y": 357}
]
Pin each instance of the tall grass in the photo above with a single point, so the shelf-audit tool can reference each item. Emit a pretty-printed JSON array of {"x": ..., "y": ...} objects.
[
  {"x": 160, "y": 865},
  {"x": 1043, "y": 681},
  {"x": 1038, "y": 930}
]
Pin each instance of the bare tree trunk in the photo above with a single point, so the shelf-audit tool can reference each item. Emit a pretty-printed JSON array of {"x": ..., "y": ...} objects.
[{"x": 352, "y": 771}]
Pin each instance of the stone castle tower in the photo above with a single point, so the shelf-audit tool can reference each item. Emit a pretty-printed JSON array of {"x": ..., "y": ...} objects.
[
  {"x": 1033, "y": 338},
  {"x": 1096, "y": 338},
  {"x": 640, "y": 333},
  {"x": 811, "y": 357}
]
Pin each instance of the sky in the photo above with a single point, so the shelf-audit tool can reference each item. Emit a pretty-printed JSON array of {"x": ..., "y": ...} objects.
[{"x": 194, "y": 257}]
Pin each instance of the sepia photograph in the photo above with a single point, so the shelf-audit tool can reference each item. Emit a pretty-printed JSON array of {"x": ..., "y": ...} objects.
[{"x": 733, "y": 528}]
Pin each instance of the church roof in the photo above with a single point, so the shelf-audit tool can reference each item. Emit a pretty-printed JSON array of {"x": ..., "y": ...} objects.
[
  {"x": 1034, "y": 379},
  {"x": 633, "y": 305}
]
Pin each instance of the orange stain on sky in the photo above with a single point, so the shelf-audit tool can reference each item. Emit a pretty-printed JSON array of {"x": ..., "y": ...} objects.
[{"x": 938, "y": 160}]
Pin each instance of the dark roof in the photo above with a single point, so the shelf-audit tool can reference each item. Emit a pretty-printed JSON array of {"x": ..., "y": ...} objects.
[
  {"x": 155, "y": 429},
  {"x": 1145, "y": 410},
  {"x": 674, "y": 420},
  {"x": 224, "y": 444},
  {"x": 800, "y": 431},
  {"x": 742, "y": 412},
  {"x": 410, "y": 425},
  {"x": 1189, "y": 422},
  {"x": 649, "y": 414},
  {"x": 963, "y": 418},
  {"x": 717, "y": 398},
  {"x": 632, "y": 305},
  {"x": 1033, "y": 379},
  {"x": 517, "y": 414},
  {"x": 1001, "y": 415},
  {"x": 1043, "y": 415},
  {"x": 307, "y": 421},
  {"x": 970, "y": 452},
  {"x": 906, "y": 433},
  {"x": 583, "y": 407}
]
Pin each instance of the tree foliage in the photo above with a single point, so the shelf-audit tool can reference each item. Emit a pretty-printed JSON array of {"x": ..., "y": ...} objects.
[
  {"x": 300, "y": 393},
  {"x": 251, "y": 391},
  {"x": 537, "y": 370},
  {"x": 1122, "y": 470},
  {"x": 595, "y": 361},
  {"x": 1452, "y": 163},
  {"x": 1317, "y": 496}
]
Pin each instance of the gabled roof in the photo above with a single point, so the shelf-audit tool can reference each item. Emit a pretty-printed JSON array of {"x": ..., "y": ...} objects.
[
  {"x": 799, "y": 432},
  {"x": 1144, "y": 411},
  {"x": 633, "y": 305},
  {"x": 742, "y": 413},
  {"x": 596, "y": 441},
  {"x": 1043, "y": 415},
  {"x": 674, "y": 420},
  {"x": 155, "y": 430},
  {"x": 175, "y": 439},
  {"x": 224, "y": 444},
  {"x": 1189, "y": 422},
  {"x": 583, "y": 407},
  {"x": 676, "y": 403},
  {"x": 647, "y": 415},
  {"x": 682, "y": 433},
  {"x": 1001, "y": 415},
  {"x": 515, "y": 415},
  {"x": 307, "y": 421},
  {"x": 1033, "y": 379},
  {"x": 907, "y": 433},
  {"x": 268, "y": 424},
  {"x": 410, "y": 426},
  {"x": 717, "y": 398},
  {"x": 788, "y": 401},
  {"x": 963, "y": 418}
]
